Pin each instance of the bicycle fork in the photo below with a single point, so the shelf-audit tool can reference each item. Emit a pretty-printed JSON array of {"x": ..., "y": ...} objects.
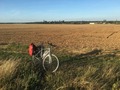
[{"x": 48, "y": 55}]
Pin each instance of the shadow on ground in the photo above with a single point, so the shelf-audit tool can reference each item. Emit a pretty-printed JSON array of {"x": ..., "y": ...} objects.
[
  {"x": 82, "y": 65},
  {"x": 94, "y": 56}
]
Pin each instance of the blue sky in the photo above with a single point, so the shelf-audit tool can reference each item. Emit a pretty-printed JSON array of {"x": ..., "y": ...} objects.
[{"x": 39, "y": 10}]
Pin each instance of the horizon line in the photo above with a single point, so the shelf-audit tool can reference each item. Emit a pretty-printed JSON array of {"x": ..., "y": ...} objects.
[{"x": 56, "y": 21}]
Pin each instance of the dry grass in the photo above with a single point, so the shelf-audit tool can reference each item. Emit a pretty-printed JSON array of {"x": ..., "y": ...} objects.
[
  {"x": 8, "y": 67},
  {"x": 96, "y": 72},
  {"x": 8, "y": 70}
]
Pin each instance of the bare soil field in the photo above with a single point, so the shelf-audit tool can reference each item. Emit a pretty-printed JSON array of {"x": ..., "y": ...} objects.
[{"x": 73, "y": 38}]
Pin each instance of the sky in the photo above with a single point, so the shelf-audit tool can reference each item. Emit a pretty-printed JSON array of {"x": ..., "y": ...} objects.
[{"x": 54, "y": 10}]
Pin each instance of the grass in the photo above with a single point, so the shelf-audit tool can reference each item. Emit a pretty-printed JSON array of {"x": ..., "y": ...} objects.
[
  {"x": 14, "y": 51},
  {"x": 94, "y": 70}
]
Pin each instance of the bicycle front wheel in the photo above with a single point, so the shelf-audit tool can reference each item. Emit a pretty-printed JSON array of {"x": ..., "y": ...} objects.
[{"x": 50, "y": 63}]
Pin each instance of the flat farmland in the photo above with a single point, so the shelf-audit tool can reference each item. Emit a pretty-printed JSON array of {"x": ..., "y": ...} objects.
[
  {"x": 89, "y": 57},
  {"x": 73, "y": 38}
]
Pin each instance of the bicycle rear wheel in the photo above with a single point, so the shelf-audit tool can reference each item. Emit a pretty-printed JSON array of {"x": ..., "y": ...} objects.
[{"x": 50, "y": 63}]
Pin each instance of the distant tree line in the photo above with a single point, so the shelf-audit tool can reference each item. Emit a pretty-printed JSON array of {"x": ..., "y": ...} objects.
[{"x": 67, "y": 22}]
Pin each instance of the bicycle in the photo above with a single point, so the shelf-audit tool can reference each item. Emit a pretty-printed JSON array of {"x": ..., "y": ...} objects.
[{"x": 50, "y": 61}]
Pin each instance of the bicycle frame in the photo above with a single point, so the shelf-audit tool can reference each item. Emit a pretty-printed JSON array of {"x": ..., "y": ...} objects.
[{"x": 43, "y": 53}]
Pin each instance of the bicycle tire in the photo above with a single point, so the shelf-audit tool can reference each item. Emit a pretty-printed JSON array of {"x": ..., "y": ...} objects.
[{"x": 51, "y": 66}]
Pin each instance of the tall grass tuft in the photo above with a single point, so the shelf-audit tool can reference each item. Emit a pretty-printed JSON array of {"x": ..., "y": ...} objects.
[
  {"x": 7, "y": 71},
  {"x": 8, "y": 67}
]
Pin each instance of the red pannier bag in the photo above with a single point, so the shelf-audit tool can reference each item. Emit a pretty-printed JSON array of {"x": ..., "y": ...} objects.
[{"x": 31, "y": 49}]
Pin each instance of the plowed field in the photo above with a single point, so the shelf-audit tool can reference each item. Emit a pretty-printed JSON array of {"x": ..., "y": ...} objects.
[{"x": 73, "y": 38}]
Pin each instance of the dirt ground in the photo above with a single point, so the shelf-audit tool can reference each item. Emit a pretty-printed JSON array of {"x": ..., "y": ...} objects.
[{"x": 73, "y": 38}]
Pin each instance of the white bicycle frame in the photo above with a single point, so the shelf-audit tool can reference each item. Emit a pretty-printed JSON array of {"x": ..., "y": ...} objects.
[{"x": 43, "y": 53}]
